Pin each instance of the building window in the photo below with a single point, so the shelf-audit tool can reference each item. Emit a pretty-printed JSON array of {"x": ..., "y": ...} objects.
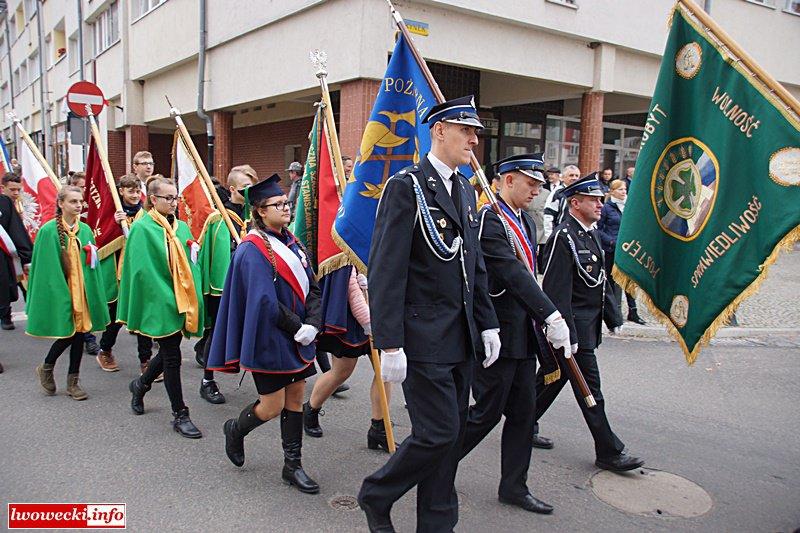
[
  {"x": 793, "y": 6},
  {"x": 33, "y": 66},
  {"x": 30, "y": 8},
  {"x": 59, "y": 43},
  {"x": 3, "y": 47},
  {"x": 23, "y": 75},
  {"x": 17, "y": 85},
  {"x": 106, "y": 29},
  {"x": 141, "y": 7},
  {"x": 767, "y": 3},
  {"x": 5, "y": 95},
  {"x": 566, "y": 3},
  {"x": 74, "y": 54}
]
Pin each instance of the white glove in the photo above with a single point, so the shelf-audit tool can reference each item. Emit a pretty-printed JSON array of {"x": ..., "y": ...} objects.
[
  {"x": 574, "y": 349},
  {"x": 306, "y": 334},
  {"x": 617, "y": 330},
  {"x": 393, "y": 366},
  {"x": 557, "y": 331},
  {"x": 491, "y": 345},
  {"x": 362, "y": 281},
  {"x": 368, "y": 329}
]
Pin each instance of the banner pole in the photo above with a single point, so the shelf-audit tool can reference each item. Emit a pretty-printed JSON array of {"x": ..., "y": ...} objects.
[
  {"x": 201, "y": 169},
  {"x": 764, "y": 77},
  {"x": 35, "y": 149},
  {"x": 101, "y": 152}
]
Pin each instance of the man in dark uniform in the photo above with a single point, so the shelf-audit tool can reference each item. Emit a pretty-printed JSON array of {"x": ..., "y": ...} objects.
[
  {"x": 430, "y": 305},
  {"x": 15, "y": 254},
  {"x": 507, "y": 387},
  {"x": 575, "y": 280}
]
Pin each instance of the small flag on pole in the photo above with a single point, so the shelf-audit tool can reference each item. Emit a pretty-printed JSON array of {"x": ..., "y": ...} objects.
[{"x": 195, "y": 204}]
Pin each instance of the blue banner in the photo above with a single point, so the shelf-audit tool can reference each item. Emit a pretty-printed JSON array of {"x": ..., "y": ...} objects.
[
  {"x": 5, "y": 160},
  {"x": 393, "y": 138}
]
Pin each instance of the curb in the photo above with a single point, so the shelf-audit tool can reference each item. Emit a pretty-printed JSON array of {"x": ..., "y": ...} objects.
[{"x": 635, "y": 331}]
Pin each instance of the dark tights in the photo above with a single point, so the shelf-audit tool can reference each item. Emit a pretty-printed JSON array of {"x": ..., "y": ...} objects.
[
  {"x": 75, "y": 345},
  {"x": 168, "y": 361},
  {"x": 212, "y": 305}
]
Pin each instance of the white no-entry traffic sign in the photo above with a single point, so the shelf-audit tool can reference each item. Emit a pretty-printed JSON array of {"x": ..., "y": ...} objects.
[{"x": 85, "y": 93}]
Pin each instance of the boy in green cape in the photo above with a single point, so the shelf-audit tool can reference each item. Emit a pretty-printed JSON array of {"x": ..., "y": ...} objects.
[
  {"x": 66, "y": 298},
  {"x": 160, "y": 296},
  {"x": 216, "y": 247},
  {"x": 130, "y": 195}
]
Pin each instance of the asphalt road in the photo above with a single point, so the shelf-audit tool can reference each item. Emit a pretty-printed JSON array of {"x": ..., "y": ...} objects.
[{"x": 730, "y": 423}]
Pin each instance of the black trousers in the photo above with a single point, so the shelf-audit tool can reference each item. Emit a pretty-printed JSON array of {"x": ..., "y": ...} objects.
[
  {"x": 109, "y": 337},
  {"x": 323, "y": 360},
  {"x": 438, "y": 398},
  {"x": 212, "y": 305},
  {"x": 606, "y": 443},
  {"x": 168, "y": 361},
  {"x": 508, "y": 387},
  {"x": 75, "y": 345}
]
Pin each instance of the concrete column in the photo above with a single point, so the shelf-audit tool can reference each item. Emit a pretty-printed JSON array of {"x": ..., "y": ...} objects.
[
  {"x": 223, "y": 144},
  {"x": 137, "y": 139},
  {"x": 591, "y": 132},
  {"x": 356, "y": 100}
]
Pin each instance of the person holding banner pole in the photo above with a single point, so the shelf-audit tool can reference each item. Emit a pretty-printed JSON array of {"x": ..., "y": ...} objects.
[{"x": 430, "y": 308}]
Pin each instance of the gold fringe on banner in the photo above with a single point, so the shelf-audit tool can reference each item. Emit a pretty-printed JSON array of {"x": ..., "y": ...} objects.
[
  {"x": 332, "y": 264},
  {"x": 552, "y": 377},
  {"x": 632, "y": 288}
]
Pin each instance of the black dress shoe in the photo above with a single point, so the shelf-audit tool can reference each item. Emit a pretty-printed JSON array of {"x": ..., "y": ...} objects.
[
  {"x": 7, "y": 324},
  {"x": 619, "y": 463},
  {"x": 183, "y": 425},
  {"x": 376, "y": 522},
  {"x": 542, "y": 442},
  {"x": 210, "y": 392},
  {"x": 634, "y": 317},
  {"x": 529, "y": 503},
  {"x": 344, "y": 387}
]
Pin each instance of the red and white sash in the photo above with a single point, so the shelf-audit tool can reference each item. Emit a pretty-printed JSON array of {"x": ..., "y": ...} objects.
[
  {"x": 521, "y": 237},
  {"x": 289, "y": 266},
  {"x": 7, "y": 247}
]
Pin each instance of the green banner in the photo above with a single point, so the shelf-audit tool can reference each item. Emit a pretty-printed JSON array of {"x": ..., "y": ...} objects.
[
  {"x": 304, "y": 224},
  {"x": 715, "y": 193}
]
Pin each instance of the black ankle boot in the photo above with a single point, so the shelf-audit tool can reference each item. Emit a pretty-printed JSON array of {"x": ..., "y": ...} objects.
[
  {"x": 376, "y": 436},
  {"x": 184, "y": 425},
  {"x": 633, "y": 316},
  {"x": 292, "y": 439},
  {"x": 311, "y": 421},
  {"x": 235, "y": 430},
  {"x": 138, "y": 390}
]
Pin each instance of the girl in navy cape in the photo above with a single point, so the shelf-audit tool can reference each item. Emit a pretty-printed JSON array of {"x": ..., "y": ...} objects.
[{"x": 268, "y": 319}]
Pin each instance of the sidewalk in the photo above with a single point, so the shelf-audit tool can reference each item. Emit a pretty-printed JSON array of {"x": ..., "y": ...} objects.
[{"x": 773, "y": 311}]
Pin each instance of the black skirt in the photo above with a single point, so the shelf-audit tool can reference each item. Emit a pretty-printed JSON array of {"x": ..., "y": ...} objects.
[
  {"x": 337, "y": 348},
  {"x": 269, "y": 383}
]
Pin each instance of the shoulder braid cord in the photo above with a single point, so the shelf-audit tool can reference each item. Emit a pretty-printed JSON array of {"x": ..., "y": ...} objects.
[
  {"x": 435, "y": 243},
  {"x": 588, "y": 279},
  {"x": 506, "y": 229},
  {"x": 258, "y": 224},
  {"x": 62, "y": 240}
]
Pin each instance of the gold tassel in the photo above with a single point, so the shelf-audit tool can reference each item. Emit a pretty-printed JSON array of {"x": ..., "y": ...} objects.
[
  {"x": 552, "y": 377},
  {"x": 332, "y": 264},
  {"x": 631, "y": 287}
]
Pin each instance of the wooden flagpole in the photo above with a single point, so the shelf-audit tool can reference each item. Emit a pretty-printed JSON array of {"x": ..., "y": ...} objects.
[
  {"x": 763, "y": 76},
  {"x": 201, "y": 169},
  {"x": 575, "y": 371},
  {"x": 35, "y": 149},
  {"x": 319, "y": 59},
  {"x": 101, "y": 152}
]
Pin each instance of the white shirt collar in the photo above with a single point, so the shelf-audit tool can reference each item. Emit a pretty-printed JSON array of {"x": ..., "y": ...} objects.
[
  {"x": 587, "y": 229},
  {"x": 443, "y": 170}
]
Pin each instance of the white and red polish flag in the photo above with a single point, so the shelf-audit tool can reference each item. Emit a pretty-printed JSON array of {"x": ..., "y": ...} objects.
[
  {"x": 38, "y": 192},
  {"x": 195, "y": 204}
]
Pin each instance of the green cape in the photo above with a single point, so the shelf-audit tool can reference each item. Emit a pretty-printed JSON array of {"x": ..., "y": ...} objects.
[
  {"x": 215, "y": 257},
  {"x": 49, "y": 303},
  {"x": 108, "y": 273},
  {"x": 146, "y": 302}
]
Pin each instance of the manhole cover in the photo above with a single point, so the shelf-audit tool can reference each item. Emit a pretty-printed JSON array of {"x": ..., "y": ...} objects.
[
  {"x": 649, "y": 492},
  {"x": 343, "y": 503}
]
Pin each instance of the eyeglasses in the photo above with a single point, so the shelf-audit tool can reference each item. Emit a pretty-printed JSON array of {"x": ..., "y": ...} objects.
[
  {"x": 168, "y": 199},
  {"x": 280, "y": 206},
  {"x": 147, "y": 163}
]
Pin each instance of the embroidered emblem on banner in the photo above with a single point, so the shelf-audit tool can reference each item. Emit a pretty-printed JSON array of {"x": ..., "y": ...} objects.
[{"x": 688, "y": 60}]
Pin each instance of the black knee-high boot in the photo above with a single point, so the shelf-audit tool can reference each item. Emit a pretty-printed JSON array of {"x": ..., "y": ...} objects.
[
  {"x": 292, "y": 439},
  {"x": 235, "y": 430}
]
